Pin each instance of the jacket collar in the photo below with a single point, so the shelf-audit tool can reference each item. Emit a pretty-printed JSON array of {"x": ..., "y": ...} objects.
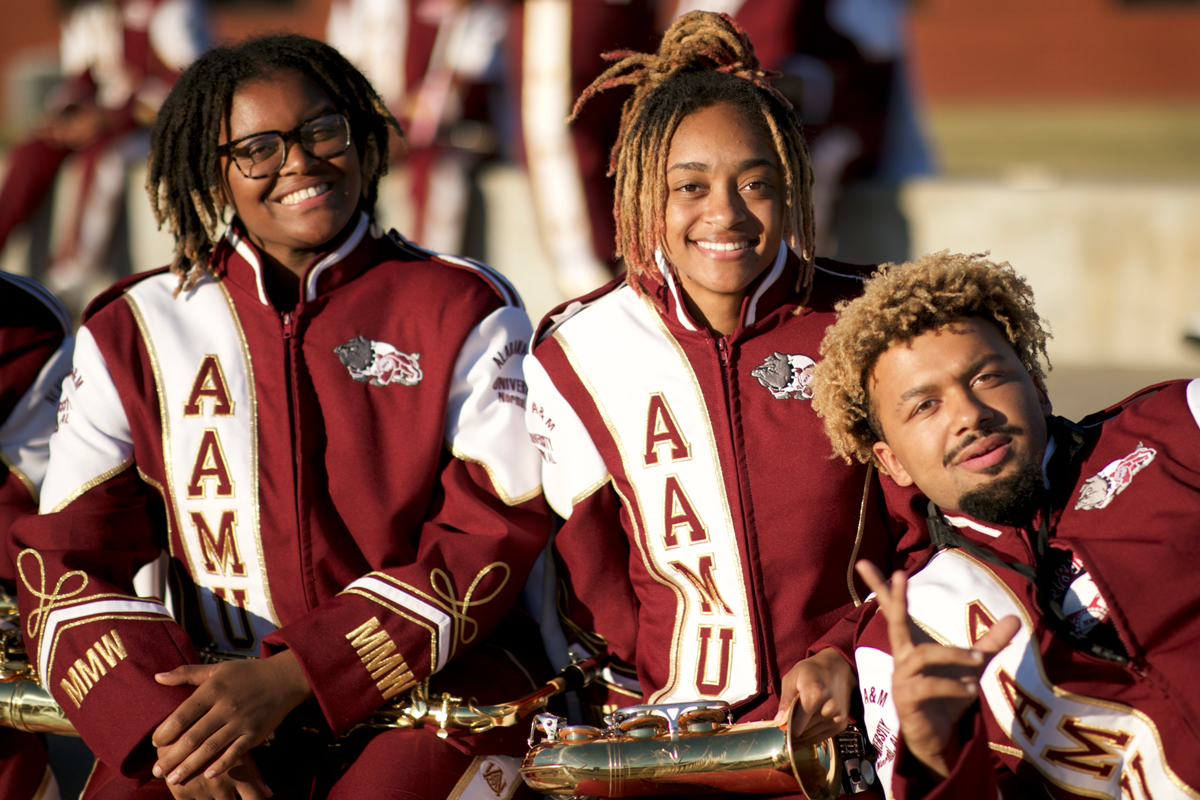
[
  {"x": 236, "y": 259},
  {"x": 765, "y": 295}
]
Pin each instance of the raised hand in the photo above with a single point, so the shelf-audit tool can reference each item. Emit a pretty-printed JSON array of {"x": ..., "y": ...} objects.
[
  {"x": 823, "y": 683},
  {"x": 236, "y": 706},
  {"x": 933, "y": 685}
]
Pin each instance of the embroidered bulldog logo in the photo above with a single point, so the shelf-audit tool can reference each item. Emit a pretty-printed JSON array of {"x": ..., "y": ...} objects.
[
  {"x": 1100, "y": 489},
  {"x": 786, "y": 376},
  {"x": 378, "y": 363}
]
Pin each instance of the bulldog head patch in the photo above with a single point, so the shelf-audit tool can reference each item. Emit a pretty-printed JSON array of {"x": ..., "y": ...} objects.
[
  {"x": 1100, "y": 489},
  {"x": 378, "y": 363},
  {"x": 786, "y": 376}
]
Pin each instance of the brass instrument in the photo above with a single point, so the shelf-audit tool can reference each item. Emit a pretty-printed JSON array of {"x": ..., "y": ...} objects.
[
  {"x": 684, "y": 748},
  {"x": 23, "y": 704},
  {"x": 26, "y": 706},
  {"x": 418, "y": 708}
]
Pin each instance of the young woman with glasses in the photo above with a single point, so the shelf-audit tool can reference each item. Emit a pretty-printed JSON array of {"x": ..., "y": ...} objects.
[{"x": 323, "y": 425}]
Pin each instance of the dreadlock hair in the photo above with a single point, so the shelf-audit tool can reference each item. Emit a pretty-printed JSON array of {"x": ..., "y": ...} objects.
[
  {"x": 185, "y": 180},
  {"x": 901, "y": 302},
  {"x": 704, "y": 59}
]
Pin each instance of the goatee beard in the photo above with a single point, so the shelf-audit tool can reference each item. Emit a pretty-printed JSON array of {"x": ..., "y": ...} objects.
[{"x": 1007, "y": 501}]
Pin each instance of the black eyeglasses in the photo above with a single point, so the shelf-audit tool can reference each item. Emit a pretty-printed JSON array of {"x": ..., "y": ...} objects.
[{"x": 261, "y": 155}]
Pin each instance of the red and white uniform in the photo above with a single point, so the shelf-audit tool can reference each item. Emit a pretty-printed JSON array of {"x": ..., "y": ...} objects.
[
  {"x": 350, "y": 480},
  {"x": 708, "y": 537},
  {"x": 35, "y": 354},
  {"x": 1055, "y": 718}
]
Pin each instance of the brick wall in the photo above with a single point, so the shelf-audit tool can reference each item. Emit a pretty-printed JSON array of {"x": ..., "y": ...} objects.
[{"x": 980, "y": 50}]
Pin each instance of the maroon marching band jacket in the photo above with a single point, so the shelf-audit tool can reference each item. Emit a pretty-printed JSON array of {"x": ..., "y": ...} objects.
[
  {"x": 1057, "y": 717},
  {"x": 350, "y": 480},
  {"x": 708, "y": 536},
  {"x": 35, "y": 354}
]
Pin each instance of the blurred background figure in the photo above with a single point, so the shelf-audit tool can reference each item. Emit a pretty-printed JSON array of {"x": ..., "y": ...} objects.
[
  {"x": 118, "y": 60},
  {"x": 439, "y": 65},
  {"x": 560, "y": 43},
  {"x": 843, "y": 67}
]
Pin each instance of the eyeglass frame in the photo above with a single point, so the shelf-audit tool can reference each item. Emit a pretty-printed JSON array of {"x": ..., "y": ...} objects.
[{"x": 288, "y": 137}]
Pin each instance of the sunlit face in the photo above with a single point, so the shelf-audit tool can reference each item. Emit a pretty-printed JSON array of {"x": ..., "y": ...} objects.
[
  {"x": 724, "y": 212},
  {"x": 958, "y": 411},
  {"x": 294, "y": 214}
]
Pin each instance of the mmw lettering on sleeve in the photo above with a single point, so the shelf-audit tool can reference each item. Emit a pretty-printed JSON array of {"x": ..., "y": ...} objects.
[
  {"x": 89, "y": 669},
  {"x": 376, "y": 649}
]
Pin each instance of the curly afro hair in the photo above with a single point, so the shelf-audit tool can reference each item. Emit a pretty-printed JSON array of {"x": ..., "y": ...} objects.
[{"x": 899, "y": 303}]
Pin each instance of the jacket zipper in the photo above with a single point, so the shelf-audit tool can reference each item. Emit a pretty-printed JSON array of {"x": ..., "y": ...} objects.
[{"x": 768, "y": 668}]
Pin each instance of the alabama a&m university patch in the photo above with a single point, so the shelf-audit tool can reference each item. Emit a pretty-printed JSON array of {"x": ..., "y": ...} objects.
[
  {"x": 786, "y": 376},
  {"x": 378, "y": 363},
  {"x": 1100, "y": 489}
]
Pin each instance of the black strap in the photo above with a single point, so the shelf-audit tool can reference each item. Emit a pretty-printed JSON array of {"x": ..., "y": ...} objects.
[{"x": 1069, "y": 440}]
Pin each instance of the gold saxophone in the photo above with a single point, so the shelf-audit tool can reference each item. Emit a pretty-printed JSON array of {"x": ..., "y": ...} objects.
[
  {"x": 26, "y": 706},
  {"x": 689, "y": 747}
]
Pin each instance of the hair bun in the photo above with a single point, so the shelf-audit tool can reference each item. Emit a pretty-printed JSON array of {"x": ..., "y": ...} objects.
[{"x": 707, "y": 40}]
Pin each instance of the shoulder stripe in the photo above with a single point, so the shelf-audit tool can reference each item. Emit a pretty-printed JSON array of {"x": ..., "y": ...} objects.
[{"x": 42, "y": 293}]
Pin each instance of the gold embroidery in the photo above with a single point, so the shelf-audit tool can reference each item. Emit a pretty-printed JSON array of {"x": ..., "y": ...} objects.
[
  {"x": 93, "y": 483},
  {"x": 35, "y": 625},
  {"x": 430, "y": 629},
  {"x": 375, "y": 649},
  {"x": 21, "y": 476},
  {"x": 210, "y": 464},
  {"x": 1096, "y": 754},
  {"x": 1027, "y": 624},
  {"x": 458, "y": 610},
  {"x": 165, "y": 421},
  {"x": 632, "y": 509},
  {"x": 503, "y": 495},
  {"x": 591, "y": 490},
  {"x": 209, "y": 383},
  {"x": 252, "y": 394},
  {"x": 83, "y": 675},
  {"x": 465, "y": 780},
  {"x": 220, "y": 552}
]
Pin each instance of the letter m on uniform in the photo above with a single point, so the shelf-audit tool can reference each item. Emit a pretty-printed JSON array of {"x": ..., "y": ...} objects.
[{"x": 219, "y": 550}]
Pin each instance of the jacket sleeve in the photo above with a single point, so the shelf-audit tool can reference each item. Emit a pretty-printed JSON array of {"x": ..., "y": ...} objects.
[
  {"x": 35, "y": 356},
  {"x": 95, "y": 645},
  {"x": 591, "y": 549},
  {"x": 485, "y": 526}
]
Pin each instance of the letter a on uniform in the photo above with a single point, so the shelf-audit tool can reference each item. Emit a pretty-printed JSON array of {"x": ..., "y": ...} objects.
[
  {"x": 210, "y": 382},
  {"x": 661, "y": 428}
]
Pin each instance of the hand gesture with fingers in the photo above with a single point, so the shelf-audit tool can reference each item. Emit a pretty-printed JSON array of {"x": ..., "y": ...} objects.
[
  {"x": 236, "y": 706},
  {"x": 242, "y": 782},
  {"x": 933, "y": 685},
  {"x": 824, "y": 683}
]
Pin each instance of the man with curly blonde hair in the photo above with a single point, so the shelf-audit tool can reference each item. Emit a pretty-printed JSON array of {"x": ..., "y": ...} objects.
[{"x": 1039, "y": 658}]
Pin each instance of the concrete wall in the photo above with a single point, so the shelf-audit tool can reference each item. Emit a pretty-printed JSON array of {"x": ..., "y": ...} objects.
[{"x": 1115, "y": 266}]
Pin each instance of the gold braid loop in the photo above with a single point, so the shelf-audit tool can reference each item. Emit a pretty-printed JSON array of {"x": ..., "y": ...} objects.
[
  {"x": 443, "y": 587},
  {"x": 47, "y": 601}
]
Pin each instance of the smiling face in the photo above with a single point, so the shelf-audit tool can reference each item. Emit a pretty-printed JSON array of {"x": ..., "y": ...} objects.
[
  {"x": 959, "y": 414},
  {"x": 296, "y": 213},
  {"x": 724, "y": 211}
]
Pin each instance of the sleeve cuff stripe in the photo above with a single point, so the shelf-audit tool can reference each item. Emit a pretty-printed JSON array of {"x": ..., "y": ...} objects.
[
  {"x": 104, "y": 607},
  {"x": 419, "y": 607}
]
